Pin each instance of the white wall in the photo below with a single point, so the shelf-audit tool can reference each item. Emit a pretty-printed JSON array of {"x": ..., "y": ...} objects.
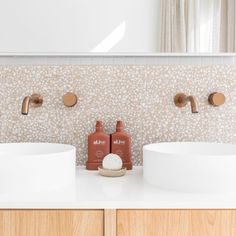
[{"x": 57, "y": 26}]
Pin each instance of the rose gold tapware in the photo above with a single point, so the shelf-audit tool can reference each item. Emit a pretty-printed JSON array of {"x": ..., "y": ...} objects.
[
  {"x": 36, "y": 100},
  {"x": 216, "y": 99},
  {"x": 70, "y": 99},
  {"x": 181, "y": 100}
]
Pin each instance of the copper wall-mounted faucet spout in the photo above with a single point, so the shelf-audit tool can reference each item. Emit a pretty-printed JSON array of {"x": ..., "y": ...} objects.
[
  {"x": 35, "y": 99},
  {"x": 181, "y": 100}
]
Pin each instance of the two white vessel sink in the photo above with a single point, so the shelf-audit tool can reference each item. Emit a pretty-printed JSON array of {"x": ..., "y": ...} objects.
[
  {"x": 36, "y": 167},
  {"x": 191, "y": 166},
  {"x": 181, "y": 166}
]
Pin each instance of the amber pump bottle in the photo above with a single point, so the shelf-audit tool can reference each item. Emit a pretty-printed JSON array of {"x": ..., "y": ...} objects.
[
  {"x": 98, "y": 147},
  {"x": 121, "y": 145}
]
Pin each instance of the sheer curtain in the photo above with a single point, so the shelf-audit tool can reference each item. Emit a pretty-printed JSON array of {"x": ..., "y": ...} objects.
[
  {"x": 197, "y": 26},
  {"x": 228, "y": 26}
]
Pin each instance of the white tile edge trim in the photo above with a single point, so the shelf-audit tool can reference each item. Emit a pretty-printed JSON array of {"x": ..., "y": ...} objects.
[
  {"x": 112, "y": 60},
  {"x": 121, "y": 54}
]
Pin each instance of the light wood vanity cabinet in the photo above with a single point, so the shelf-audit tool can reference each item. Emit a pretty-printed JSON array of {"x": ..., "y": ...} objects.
[
  {"x": 117, "y": 222},
  {"x": 176, "y": 222},
  {"x": 51, "y": 222}
]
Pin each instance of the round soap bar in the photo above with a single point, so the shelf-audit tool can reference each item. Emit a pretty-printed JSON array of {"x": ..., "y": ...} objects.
[{"x": 112, "y": 162}]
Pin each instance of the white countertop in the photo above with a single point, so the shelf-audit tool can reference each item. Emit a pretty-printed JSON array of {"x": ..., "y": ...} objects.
[{"x": 92, "y": 191}]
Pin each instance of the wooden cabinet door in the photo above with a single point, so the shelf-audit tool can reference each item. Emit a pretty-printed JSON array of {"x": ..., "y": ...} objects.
[
  {"x": 51, "y": 222},
  {"x": 176, "y": 222}
]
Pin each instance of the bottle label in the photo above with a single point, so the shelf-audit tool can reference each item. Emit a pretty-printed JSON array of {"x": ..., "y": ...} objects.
[
  {"x": 98, "y": 142},
  {"x": 99, "y": 154},
  {"x": 119, "y": 142},
  {"x": 120, "y": 153}
]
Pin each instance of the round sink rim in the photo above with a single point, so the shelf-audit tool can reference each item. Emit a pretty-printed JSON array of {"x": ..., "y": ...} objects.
[
  {"x": 162, "y": 148},
  {"x": 26, "y": 149}
]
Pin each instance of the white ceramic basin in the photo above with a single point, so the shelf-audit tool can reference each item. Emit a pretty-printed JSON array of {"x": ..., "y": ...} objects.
[
  {"x": 35, "y": 167},
  {"x": 191, "y": 166}
]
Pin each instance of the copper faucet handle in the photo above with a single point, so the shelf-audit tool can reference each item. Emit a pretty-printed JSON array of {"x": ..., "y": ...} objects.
[
  {"x": 70, "y": 99},
  {"x": 36, "y": 100},
  {"x": 216, "y": 99},
  {"x": 180, "y": 100}
]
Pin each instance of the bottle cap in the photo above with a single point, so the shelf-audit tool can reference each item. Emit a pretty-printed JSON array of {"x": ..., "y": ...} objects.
[
  {"x": 99, "y": 126},
  {"x": 119, "y": 126}
]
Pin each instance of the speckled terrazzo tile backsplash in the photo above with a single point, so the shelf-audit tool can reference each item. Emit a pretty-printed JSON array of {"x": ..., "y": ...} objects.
[{"x": 140, "y": 95}]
